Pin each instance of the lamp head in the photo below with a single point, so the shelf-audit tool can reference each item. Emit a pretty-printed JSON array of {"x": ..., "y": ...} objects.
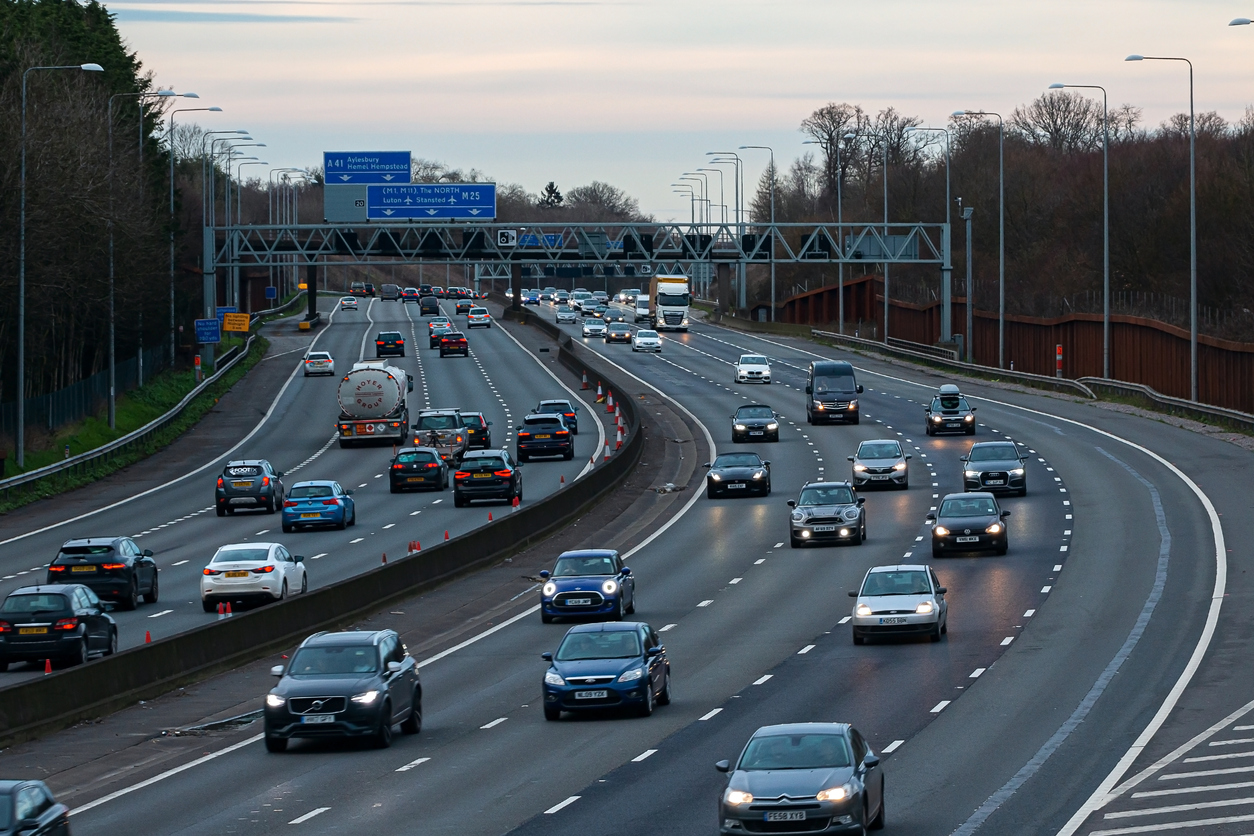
[
  {"x": 242, "y": 131},
  {"x": 165, "y": 94},
  {"x": 190, "y": 95},
  {"x": 96, "y": 68},
  {"x": 1135, "y": 58},
  {"x": 215, "y": 109},
  {"x": 1240, "y": 21},
  {"x": 1057, "y": 86},
  {"x": 850, "y": 136},
  {"x": 958, "y": 113}
]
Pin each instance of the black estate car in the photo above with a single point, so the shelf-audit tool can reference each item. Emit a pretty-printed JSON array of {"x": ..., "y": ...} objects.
[
  {"x": 949, "y": 412},
  {"x": 487, "y": 474},
  {"x": 64, "y": 622},
  {"x": 112, "y": 567},
  {"x": 417, "y": 467},
  {"x": 354, "y": 684},
  {"x": 389, "y": 344}
]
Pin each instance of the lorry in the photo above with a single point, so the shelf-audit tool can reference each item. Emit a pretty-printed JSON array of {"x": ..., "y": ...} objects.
[
  {"x": 668, "y": 301},
  {"x": 374, "y": 403}
]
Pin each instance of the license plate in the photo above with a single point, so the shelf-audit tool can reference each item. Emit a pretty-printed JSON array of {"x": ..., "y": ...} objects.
[
  {"x": 898, "y": 620},
  {"x": 971, "y": 539},
  {"x": 237, "y": 574},
  {"x": 952, "y": 426},
  {"x": 824, "y": 528},
  {"x": 543, "y": 436},
  {"x": 241, "y": 484},
  {"x": 786, "y": 815},
  {"x": 755, "y": 432},
  {"x": 591, "y": 695},
  {"x": 735, "y": 487},
  {"x": 483, "y": 475},
  {"x": 32, "y": 631},
  {"x": 310, "y": 516},
  {"x": 416, "y": 479},
  {"x": 878, "y": 478},
  {"x": 82, "y": 568},
  {"x": 318, "y": 718},
  {"x": 995, "y": 482},
  {"x": 578, "y": 602}
]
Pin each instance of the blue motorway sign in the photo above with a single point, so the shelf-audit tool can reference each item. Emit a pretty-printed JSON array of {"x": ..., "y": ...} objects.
[
  {"x": 226, "y": 309},
  {"x": 208, "y": 331},
  {"x": 432, "y": 201},
  {"x": 272, "y": 292},
  {"x": 342, "y": 168},
  {"x": 551, "y": 241}
]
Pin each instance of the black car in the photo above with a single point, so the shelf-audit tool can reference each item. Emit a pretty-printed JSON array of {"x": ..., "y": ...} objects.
[
  {"x": 968, "y": 522},
  {"x": 112, "y": 567},
  {"x": 614, "y": 315},
  {"x": 478, "y": 428},
  {"x": 949, "y": 412},
  {"x": 389, "y": 344},
  {"x": 995, "y": 467},
  {"x": 437, "y": 334},
  {"x": 27, "y": 808},
  {"x": 566, "y": 409},
  {"x": 833, "y": 389},
  {"x": 487, "y": 474},
  {"x": 755, "y": 422},
  {"x": 424, "y": 290},
  {"x": 454, "y": 342},
  {"x": 617, "y": 332},
  {"x": 738, "y": 473},
  {"x": 599, "y": 311},
  {"x": 249, "y": 483},
  {"x": 464, "y": 305},
  {"x": 544, "y": 435},
  {"x": 64, "y": 622},
  {"x": 417, "y": 467},
  {"x": 803, "y": 778},
  {"x": 356, "y": 684},
  {"x": 428, "y": 306},
  {"x": 369, "y": 288}
]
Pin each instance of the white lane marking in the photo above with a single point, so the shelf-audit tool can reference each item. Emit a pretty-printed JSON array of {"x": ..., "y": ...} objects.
[
  {"x": 1007, "y": 640},
  {"x": 179, "y": 563},
  {"x": 1066, "y": 533},
  {"x": 263, "y": 531},
  {"x": 412, "y": 764},
  {"x": 734, "y": 581},
  {"x": 494, "y": 723},
  {"x": 845, "y": 620},
  {"x": 159, "y": 614},
  {"x": 805, "y": 649},
  {"x": 1062, "y": 548},
  {"x": 711, "y": 713},
  {"x": 1057, "y": 567},
  {"x": 1178, "y": 808},
  {"x": 645, "y": 755},
  {"x": 389, "y": 525},
  {"x": 414, "y": 513},
  {"x": 318, "y": 555},
  {"x": 667, "y": 628},
  {"x": 1029, "y": 613},
  {"x": 1241, "y": 741},
  {"x": 940, "y": 706},
  {"x": 763, "y": 679},
  {"x": 977, "y": 673},
  {"x": 564, "y": 804},
  {"x": 363, "y": 484},
  {"x": 437, "y": 502},
  {"x": 892, "y": 747},
  {"x": 317, "y": 811},
  {"x": 357, "y": 540},
  {"x": 706, "y": 603},
  {"x": 759, "y": 561},
  {"x": 1045, "y": 589}
]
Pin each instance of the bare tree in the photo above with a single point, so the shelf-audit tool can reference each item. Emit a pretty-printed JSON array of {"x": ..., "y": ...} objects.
[{"x": 1063, "y": 120}]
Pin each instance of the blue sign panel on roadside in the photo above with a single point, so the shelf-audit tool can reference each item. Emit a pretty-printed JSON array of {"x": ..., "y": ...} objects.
[
  {"x": 225, "y": 309},
  {"x": 342, "y": 168},
  {"x": 432, "y": 201},
  {"x": 272, "y": 293},
  {"x": 551, "y": 240},
  {"x": 208, "y": 331}
]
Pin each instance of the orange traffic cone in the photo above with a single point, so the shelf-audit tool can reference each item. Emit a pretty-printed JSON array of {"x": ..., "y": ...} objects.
[
  {"x": 609, "y": 402},
  {"x": 228, "y": 609},
  {"x": 489, "y": 516},
  {"x": 47, "y": 666},
  {"x": 618, "y": 445},
  {"x": 147, "y": 637},
  {"x": 584, "y": 385},
  {"x": 600, "y": 397},
  {"x": 446, "y": 534},
  {"x": 221, "y": 611},
  {"x": 563, "y": 482},
  {"x": 515, "y": 503},
  {"x": 607, "y": 450},
  {"x": 417, "y": 546}
]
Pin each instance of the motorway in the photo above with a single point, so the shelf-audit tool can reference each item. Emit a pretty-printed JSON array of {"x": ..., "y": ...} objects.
[{"x": 1057, "y": 655}]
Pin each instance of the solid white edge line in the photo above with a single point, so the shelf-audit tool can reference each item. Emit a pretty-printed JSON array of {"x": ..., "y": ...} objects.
[
  {"x": 468, "y": 642},
  {"x": 1106, "y": 790},
  {"x": 647, "y": 753},
  {"x": 317, "y": 811}
]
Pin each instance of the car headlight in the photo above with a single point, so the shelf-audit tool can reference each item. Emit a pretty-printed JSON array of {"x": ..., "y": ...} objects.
[
  {"x": 551, "y": 678},
  {"x": 365, "y": 697},
  {"x": 859, "y": 468},
  {"x": 772, "y": 426},
  {"x": 971, "y": 474},
  {"x": 853, "y": 404},
  {"x": 863, "y": 609},
  {"x": 818, "y": 405},
  {"x": 969, "y": 418},
  {"x": 995, "y": 528},
  {"x": 936, "y": 419},
  {"x": 840, "y": 793},
  {"x": 759, "y": 474},
  {"x": 549, "y": 590},
  {"x": 1018, "y": 471},
  {"x": 851, "y": 513},
  {"x": 631, "y": 675},
  {"x": 899, "y": 466},
  {"x": 714, "y": 477},
  {"x": 740, "y": 428},
  {"x": 797, "y": 516},
  {"x": 609, "y": 587},
  {"x": 924, "y": 608},
  {"x": 275, "y": 701},
  {"x": 737, "y": 797},
  {"x": 940, "y": 531}
]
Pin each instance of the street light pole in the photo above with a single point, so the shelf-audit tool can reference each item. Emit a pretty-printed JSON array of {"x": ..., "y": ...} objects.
[
  {"x": 1192, "y": 222},
  {"x": 1001, "y": 233},
  {"x": 20, "y": 441},
  {"x": 947, "y": 269},
  {"x": 171, "y": 140},
  {"x": 772, "y": 254},
  {"x": 722, "y": 158},
  {"x": 966, "y": 216}
]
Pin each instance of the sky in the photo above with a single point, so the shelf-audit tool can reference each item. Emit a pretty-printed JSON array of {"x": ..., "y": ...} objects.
[{"x": 635, "y": 92}]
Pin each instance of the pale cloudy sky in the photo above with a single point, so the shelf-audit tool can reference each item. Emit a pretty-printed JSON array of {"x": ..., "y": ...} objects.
[{"x": 636, "y": 91}]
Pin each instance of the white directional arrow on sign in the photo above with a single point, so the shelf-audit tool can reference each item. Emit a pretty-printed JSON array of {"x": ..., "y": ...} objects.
[
  {"x": 346, "y": 177},
  {"x": 388, "y": 211},
  {"x": 431, "y": 211},
  {"x": 474, "y": 211},
  {"x": 388, "y": 176}
]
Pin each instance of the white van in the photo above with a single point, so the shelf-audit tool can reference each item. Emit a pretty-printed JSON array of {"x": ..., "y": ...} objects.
[{"x": 642, "y": 308}]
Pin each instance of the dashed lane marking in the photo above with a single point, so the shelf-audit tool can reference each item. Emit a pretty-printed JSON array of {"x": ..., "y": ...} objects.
[
  {"x": 940, "y": 706},
  {"x": 709, "y": 714},
  {"x": 562, "y": 805},
  {"x": 763, "y": 679},
  {"x": 645, "y": 755},
  {"x": 412, "y": 764},
  {"x": 892, "y": 747},
  {"x": 494, "y": 723},
  {"x": 317, "y": 811},
  {"x": 977, "y": 673}
]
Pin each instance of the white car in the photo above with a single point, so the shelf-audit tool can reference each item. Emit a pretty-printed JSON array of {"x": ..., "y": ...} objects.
[
  {"x": 251, "y": 572},
  {"x": 319, "y": 362},
  {"x": 478, "y": 317},
  {"x": 565, "y": 313},
  {"x": 753, "y": 368},
  {"x": 593, "y": 327},
  {"x": 646, "y": 341},
  {"x": 900, "y": 600},
  {"x": 348, "y": 303}
]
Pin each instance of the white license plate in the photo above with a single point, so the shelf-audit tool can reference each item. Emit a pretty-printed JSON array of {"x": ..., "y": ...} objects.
[
  {"x": 318, "y": 718},
  {"x": 786, "y": 815},
  {"x": 896, "y": 620},
  {"x": 755, "y": 432},
  {"x": 824, "y": 528},
  {"x": 879, "y": 478},
  {"x": 995, "y": 482},
  {"x": 591, "y": 695},
  {"x": 735, "y": 487},
  {"x": 578, "y": 602},
  {"x": 971, "y": 539}
]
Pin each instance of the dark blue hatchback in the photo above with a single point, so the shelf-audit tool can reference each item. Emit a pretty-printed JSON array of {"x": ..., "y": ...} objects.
[
  {"x": 599, "y": 666},
  {"x": 588, "y": 582}
]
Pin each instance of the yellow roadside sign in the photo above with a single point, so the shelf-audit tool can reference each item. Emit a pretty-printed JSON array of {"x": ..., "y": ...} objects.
[
  {"x": 235, "y": 322},
  {"x": 302, "y": 286}
]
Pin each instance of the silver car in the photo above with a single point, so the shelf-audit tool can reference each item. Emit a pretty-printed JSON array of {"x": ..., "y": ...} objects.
[
  {"x": 827, "y": 512},
  {"x": 881, "y": 463},
  {"x": 593, "y": 327},
  {"x": 646, "y": 341},
  {"x": 903, "y": 599},
  {"x": 566, "y": 314}
]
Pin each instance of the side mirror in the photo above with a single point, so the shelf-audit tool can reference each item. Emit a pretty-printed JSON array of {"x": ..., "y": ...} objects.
[
  {"x": 707, "y": 464},
  {"x": 393, "y": 667},
  {"x": 278, "y": 474},
  {"x": 766, "y": 464},
  {"x": 809, "y": 389},
  {"x": 277, "y": 670},
  {"x": 849, "y": 458},
  {"x": 962, "y": 458},
  {"x": 974, "y": 408},
  {"x": 930, "y": 518},
  {"x": 861, "y": 501},
  {"x": 656, "y": 650},
  {"x": 859, "y": 388},
  {"x": 548, "y": 657},
  {"x": 871, "y": 761},
  {"x": 723, "y": 766},
  {"x": 300, "y": 558},
  {"x": 792, "y": 503},
  {"x": 544, "y": 573},
  {"x": 853, "y": 593},
  {"x": 519, "y": 429},
  {"x": 489, "y": 423},
  {"x": 348, "y": 493},
  {"x": 147, "y": 552},
  {"x": 940, "y": 590},
  {"x": 1005, "y": 514},
  {"x": 909, "y": 456},
  {"x": 626, "y": 570}
]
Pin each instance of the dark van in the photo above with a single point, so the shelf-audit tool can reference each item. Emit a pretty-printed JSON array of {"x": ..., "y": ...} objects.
[
  {"x": 391, "y": 293},
  {"x": 833, "y": 392},
  {"x": 428, "y": 306}
]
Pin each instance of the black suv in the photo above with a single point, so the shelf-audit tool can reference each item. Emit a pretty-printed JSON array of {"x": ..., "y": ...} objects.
[
  {"x": 356, "y": 684},
  {"x": 478, "y": 428},
  {"x": 544, "y": 435},
  {"x": 64, "y": 621},
  {"x": 389, "y": 344},
  {"x": 487, "y": 474},
  {"x": 417, "y": 467},
  {"x": 249, "y": 483},
  {"x": 564, "y": 408},
  {"x": 112, "y": 567},
  {"x": 949, "y": 412}
]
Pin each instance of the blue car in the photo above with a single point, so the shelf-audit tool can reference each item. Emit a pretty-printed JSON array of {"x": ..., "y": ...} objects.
[
  {"x": 319, "y": 502},
  {"x": 531, "y": 297},
  {"x": 599, "y": 666},
  {"x": 588, "y": 582}
]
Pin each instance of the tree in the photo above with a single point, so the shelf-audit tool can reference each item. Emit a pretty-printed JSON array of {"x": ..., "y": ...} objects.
[
  {"x": 1063, "y": 120},
  {"x": 551, "y": 197}
]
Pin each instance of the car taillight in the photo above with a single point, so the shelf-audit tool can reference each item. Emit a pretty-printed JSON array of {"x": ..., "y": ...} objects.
[
  {"x": 461, "y": 474},
  {"x": 398, "y": 467},
  {"x": 66, "y": 624},
  {"x": 264, "y": 570},
  {"x": 56, "y": 568},
  {"x": 6, "y": 627},
  {"x": 287, "y": 503},
  {"x": 378, "y": 342},
  {"x": 330, "y": 502},
  {"x": 504, "y": 474},
  {"x": 400, "y": 342},
  {"x": 562, "y": 432},
  {"x": 265, "y": 481},
  {"x": 219, "y": 481},
  {"x": 524, "y": 435},
  {"x": 569, "y": 414},
  {"x": 112, "y": 565},
  {"x": 432, "y": 464},
  {"x": 211, "y": 572}
]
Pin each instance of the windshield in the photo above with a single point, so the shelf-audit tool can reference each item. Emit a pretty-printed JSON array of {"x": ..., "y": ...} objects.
[
  {"x": 896, "y": 583},
  {"x": 553, "y": 406},
  {"x": 755, "y": 412},
  {"x": 597, "y": 564},
  {"x": 564, "y": 309},
  {"x": 619, "y": 644},
  {"x": 243, "y": 470},
  {"x": 951, "y": 402},
  {"x": 648, "y": 335},
  {"x": 43, "y": 602},
  {"x": 795, "y": 751},
  {"x": 544, "y": 424},
  {"x": 309, "y": 491},
  {"x": 839, "y": 495},
  {"x": 416, "y": 458},
  {"x": 316, "y": 661},
  {"x": 483, "y": 463},
  {"x": 473, "y": 420},
  {"x": 439, "y": 422},
  {"x": 993, "y": 453},
  {"x": 478, "y": 311},
  {"x": 738, "y": 460},
  {"x": 677, "y": 300},
  {"x": 968, "y": 506},
  {"x": 236, "y": 555},
  {"x": 879, "y": 450},
  {"x": 842, "y": 383},
  {"x": 620, "y": 328},
  {"x": 753, "y": 360},
  {"x": 319, "y": 355}
]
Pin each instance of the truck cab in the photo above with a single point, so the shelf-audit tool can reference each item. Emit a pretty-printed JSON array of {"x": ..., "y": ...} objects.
[{"x": 670, "y": 298}]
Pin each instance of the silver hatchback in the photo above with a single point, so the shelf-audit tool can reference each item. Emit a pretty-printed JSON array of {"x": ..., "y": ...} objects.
[
  {"x": 881, "y": 463},
  {"x": 827, "y": 512}
]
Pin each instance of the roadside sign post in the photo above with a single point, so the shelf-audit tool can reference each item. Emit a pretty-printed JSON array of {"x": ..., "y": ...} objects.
[
  {"x": 199, "y": 375},
  {"x": 235, "y": 322},
  {"x": 272, "y": 292},
  {"x": 208, "y": 331}
]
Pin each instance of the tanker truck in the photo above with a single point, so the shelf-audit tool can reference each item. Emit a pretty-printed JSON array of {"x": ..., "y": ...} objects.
[{"x": 373, "y": 403}]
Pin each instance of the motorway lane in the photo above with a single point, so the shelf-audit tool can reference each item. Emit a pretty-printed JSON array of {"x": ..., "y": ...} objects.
[{"x": 179, "y": 523}]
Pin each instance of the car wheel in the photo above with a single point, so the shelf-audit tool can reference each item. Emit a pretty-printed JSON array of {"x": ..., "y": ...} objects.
[
  {"x": 945, "y": 626},
  {"x": 113, "y": 643},
  {"x": 458, "y": 501},
  {"x": 1003, "y": 548},
  {"x": 545, "y": 618},
  {"x": 551, "y": 713},
  {"x": 857, "y": 538},
  {"x": 287, "y": 529},
  {"x": 413, "y": 723},
  {"x": 935, "y": 634},
  {"x": 230, "y": 511},
  {"x": 523, "y": 457},
  {"x": 709, "y": 492},
  {"x": 568, "y": 455},
  {"x": 971, "y": 431},
  {"x": 283, "y": 591},
  {"x": 353, "y": 519},
  {"x": 271, "y": 505},
  {"x": 150, "y": 597},
  {"x": 646, "y": 710},
  {"x": 937, "y": 554},
  {"x": 794, "y": 542},
  {"x": 131, "y": 601},
  {"x": 383, "y": 735},
  {"x": 342, "y": 524},
  {"x": 208, "y": 605},
  {"x": 905, "y": 486},
  {"x": 858, "y": 638},
  {"x": 631, "y": 608},
  {"x": 79, "y": 656},
  {"x": 393, "y": 488},
  {"x": 304, "y": 584},
  {"x": 276, "y": 744},
  {"x": 877, "y": 823},
  {"x": 664, "y": 698},
  {"x": 1023, "y": 491},
  {"x": 856, "y": 419},
  {"x": 618, "y": 613},
  {"x": 221, "y": 511}
]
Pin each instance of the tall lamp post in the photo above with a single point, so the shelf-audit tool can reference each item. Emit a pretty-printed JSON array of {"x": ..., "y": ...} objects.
[
  {"x": 171, "y": 139},
  {"x": 21, "y": 269},
  {"x": 1105, "y": 219},
  {"x": 723, "y": 158},
  {"x": 1001, "y": 231},
  {"x": 947, "y": 267},
  {"x": 772, "y": 254},
  {"x": 1192, "y": 221}
]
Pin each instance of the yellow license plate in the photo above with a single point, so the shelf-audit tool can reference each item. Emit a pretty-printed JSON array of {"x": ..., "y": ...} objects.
[
  {"x": 483, "y": 475},
  {"x": 242, "y": 484},
  {"x": 416, "y": 479},
  {"x": 543, "y": 436},
  {"x": 82, "y": 568},
  {"x": 310, "y": 516},
  {"x": 237, "y": 574},
  {"x": 32, "y": 631}
]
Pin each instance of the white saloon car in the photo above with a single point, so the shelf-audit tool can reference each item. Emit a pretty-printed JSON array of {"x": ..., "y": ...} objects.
[
  {"x": 251, "y": 573},
  {"x": 348, "y": 303},
  {"x": 753, "y": 368},
  {"x": 646, "y": 341},
  {"x": 593, "y": 327},
  {"x": 900, "y": 600},
  {"x": 319, "y": 362}
]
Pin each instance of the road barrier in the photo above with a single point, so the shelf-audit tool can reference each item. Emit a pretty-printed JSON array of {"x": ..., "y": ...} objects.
[
  {"x": 39, "y": 706},
  {"x": 1157, "y": 401}
]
